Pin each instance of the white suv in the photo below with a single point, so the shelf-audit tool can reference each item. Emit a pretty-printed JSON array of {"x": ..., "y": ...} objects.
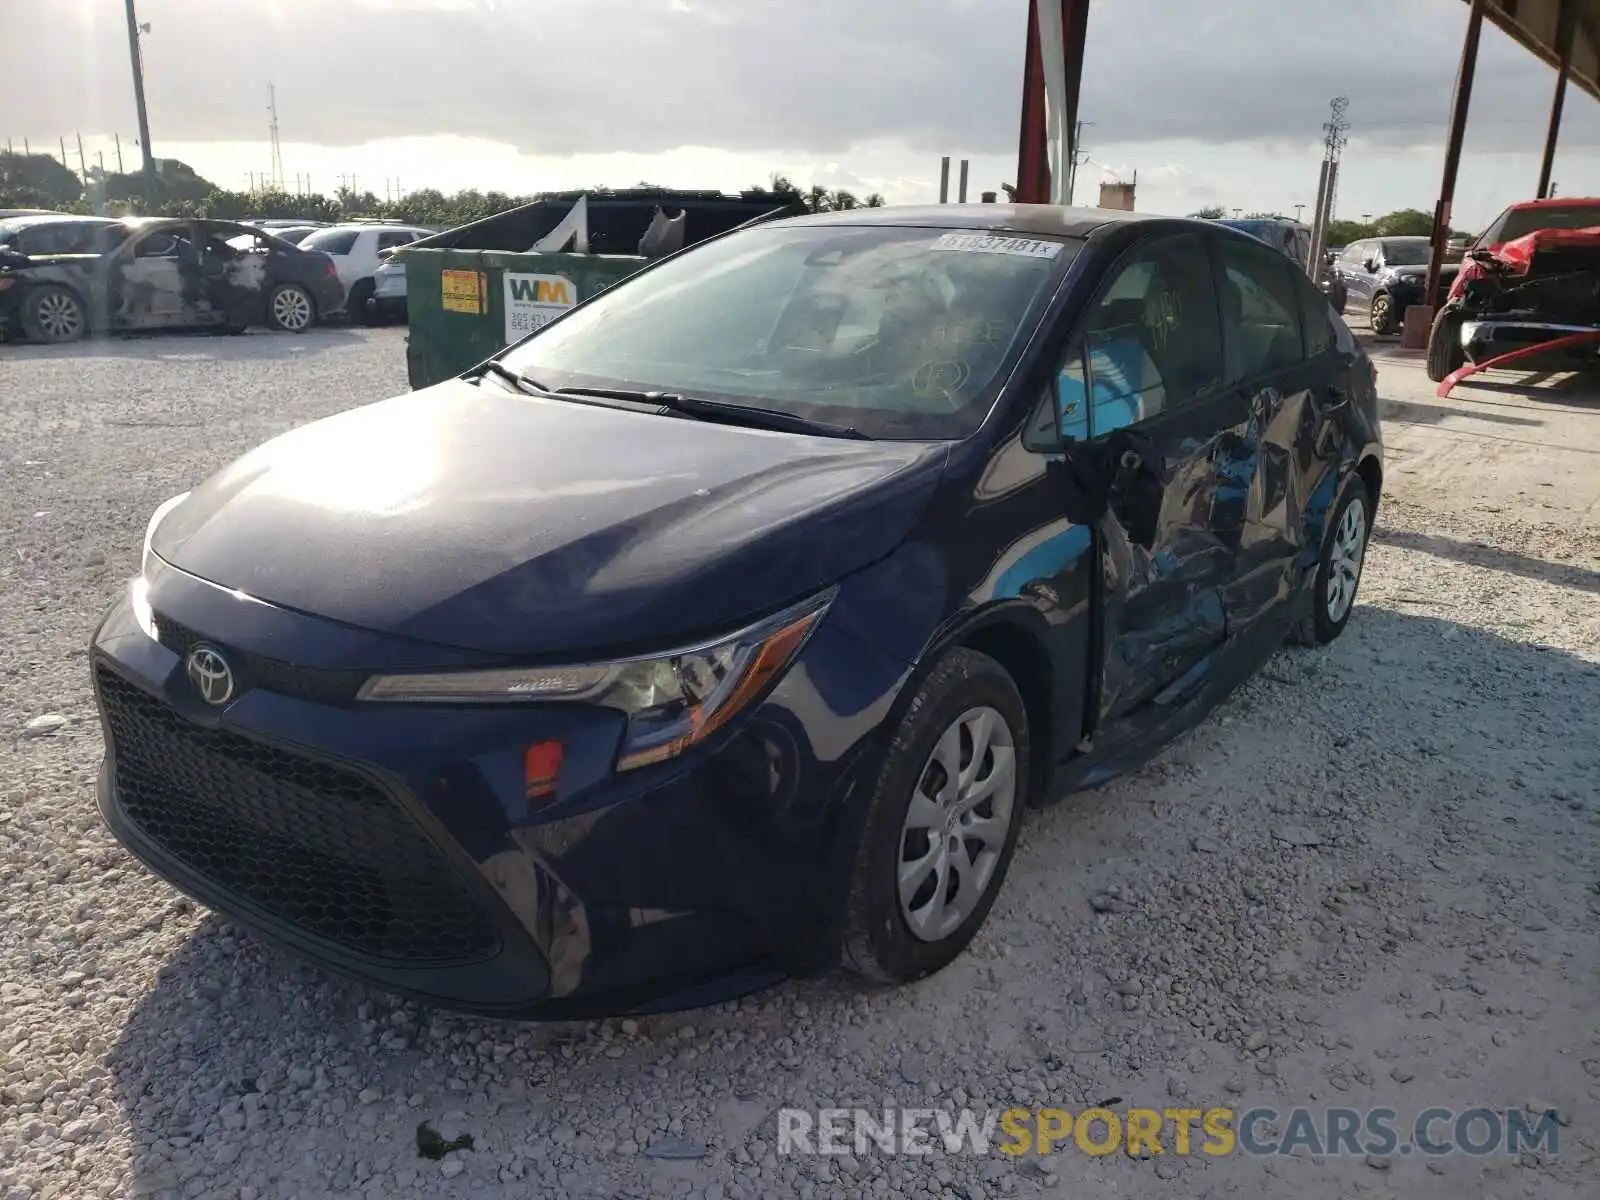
[{"x": 354, "y": 250}]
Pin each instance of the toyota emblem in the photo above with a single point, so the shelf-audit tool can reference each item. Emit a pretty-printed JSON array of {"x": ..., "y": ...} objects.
[{"x": 211, "y": 675}]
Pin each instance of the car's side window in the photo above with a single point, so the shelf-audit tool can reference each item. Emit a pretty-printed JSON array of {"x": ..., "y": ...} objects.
[
  {"x": 388, "y": 240},
  {"x": 1261, "y": 316},
  {"x": 1153, "y": 341},
  {"x": 1324, "y": 330},
  {"x": 1356, "y": 253}
]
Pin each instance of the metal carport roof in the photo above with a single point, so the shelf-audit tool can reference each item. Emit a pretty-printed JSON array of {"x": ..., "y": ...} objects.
[{"x": 1536, "y": 25}]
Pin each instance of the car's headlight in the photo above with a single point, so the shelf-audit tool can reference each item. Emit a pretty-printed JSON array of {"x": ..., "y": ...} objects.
[
  {"x": 139, "y": 590},
  {"x": 672, "y": 700}
]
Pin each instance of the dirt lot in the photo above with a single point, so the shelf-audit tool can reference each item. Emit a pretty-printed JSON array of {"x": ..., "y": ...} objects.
[{"x": 1371, "y": 880}]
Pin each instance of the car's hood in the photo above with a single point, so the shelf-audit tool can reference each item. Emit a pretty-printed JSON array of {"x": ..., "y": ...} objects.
[{"x": 473, "y": 517}]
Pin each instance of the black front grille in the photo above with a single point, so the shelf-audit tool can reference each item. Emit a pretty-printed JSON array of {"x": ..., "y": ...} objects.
[
  {"x": 315, "y": 846},
  {"x": 269, "y": 674}
]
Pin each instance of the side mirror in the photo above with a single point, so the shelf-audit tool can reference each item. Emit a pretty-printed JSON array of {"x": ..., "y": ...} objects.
[{"x": 1373, "y": 264}]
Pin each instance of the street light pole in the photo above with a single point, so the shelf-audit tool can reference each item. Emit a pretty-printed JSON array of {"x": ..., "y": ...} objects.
[{"x": 138, "y": 92}]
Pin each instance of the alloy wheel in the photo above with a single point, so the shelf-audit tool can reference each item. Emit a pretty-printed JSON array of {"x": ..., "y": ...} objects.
[
  {"x": 1380, "y": 314},
  {"x": 956, "y": 825},
  {"x": 292, "y": 309},
  {"x": 1344, "y": 560},
  {"x": 59, "y": 316}
]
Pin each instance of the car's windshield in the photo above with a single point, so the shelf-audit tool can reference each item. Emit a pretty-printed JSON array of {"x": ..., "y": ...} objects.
[
  {"x": 897, "y": 332},
  {"x": 1520, "y": 222},
  {"x": 1406, "y": 253}
]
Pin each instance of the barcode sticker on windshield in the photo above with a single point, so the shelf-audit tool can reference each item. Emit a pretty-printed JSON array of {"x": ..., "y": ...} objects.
[{"x": 981, "y": 243}]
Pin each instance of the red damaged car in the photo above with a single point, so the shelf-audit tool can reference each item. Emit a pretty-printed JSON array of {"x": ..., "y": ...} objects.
[{"x": 1528, "y": 294}]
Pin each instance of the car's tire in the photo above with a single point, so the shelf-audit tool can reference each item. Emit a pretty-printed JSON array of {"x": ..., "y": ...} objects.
[
  {"x": 291, "y": 308},
  {"x": 356, "y": 303},
  {"x": 1380, "y": 314},
  {"x": 55, "y": 315},
  {"x": 1444, "y": 344},
  {"x": 895, "y": 940},
  {"x": 1338, "y": 575}
]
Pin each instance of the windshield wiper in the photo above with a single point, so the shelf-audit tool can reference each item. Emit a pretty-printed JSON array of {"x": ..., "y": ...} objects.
[
  {"x": 521, "y": 382},
  {"x": 738, "y": 414}
]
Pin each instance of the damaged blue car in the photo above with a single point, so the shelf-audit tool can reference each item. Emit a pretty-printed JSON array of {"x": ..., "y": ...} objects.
[{"x": 722, "y": 629}]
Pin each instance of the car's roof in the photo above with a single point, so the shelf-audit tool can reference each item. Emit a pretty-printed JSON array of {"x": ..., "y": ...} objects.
[
  {"x": 1040, "y": 220},
  {"x": 1558, "y": 202},
  {"x": 54, "y": 219},
  {"x": 372, "y": 226}
]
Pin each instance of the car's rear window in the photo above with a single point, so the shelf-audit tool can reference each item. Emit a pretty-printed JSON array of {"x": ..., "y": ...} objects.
[
  {"x": 1520, "y": 222},
  {"x": 899, "y": 332},
  {"x": 331, "y": 241}
]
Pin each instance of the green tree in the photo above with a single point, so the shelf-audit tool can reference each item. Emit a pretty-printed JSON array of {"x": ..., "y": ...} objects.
[
  {"x": 37, "y": 181},
  {"x": 1342, "y": 233},
  {"x": 1407, "y": 222},
  {"x": 1210, "y": 212}
]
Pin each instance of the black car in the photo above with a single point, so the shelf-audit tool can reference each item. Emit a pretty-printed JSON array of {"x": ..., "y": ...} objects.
[
  {"x": 1384, "y": 276},
  {"x": 63, "y": 278},
  {"x": 722, "y": 628}
]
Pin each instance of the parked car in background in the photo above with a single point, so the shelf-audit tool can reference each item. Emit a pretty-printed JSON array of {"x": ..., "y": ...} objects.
[
  {"x": 295, "y": 233},
  {"x": 355, "y": 250},
  {"x": 1382, "y": 276},
  {"x": 62, "y": 279},
  {"x": 388, "y": 300},
  {"x": 1535, "y": 298},
  {"x": 1290, "y": 238},
  {"x": 1519, "y": 220},
  {"x": 928, "y": 515},
  {"x": 6, "y": 213}
]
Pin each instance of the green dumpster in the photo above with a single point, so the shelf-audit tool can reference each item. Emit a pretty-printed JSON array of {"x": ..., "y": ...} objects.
[
  {"x": 474, "y": 289},
  {"x": 463, "y": 305}
]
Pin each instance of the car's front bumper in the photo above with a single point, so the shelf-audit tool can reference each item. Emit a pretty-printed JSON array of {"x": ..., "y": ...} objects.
[
  {"x": 395, "y": 842},
  {"x": 387, "y": 308},
  {"x": 1488, "y": 338}
]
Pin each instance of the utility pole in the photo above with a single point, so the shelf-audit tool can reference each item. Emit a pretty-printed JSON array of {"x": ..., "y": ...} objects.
[
  {"x": 63, "y": 149},
  {"x": 83, "y": 163},
  {"x": 134, "y": 29},
  {"x": 1335, "y": 135},
  {"x": 1079, "y": 157},
  {"x": 118, "y": 136},
  {"x": 277, "y": 149}
]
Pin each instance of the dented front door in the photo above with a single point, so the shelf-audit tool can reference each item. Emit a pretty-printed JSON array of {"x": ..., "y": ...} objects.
[
  {"x": 1153, "y": 409},
  {"x": 155, "y": 280}
]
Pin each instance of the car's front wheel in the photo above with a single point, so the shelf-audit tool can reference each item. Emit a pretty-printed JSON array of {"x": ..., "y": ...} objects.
[
  {"x": 54, "y": 315},
  {"x": 291, "y": 308},
  {"x": 1344, "y": 551},
  {"x": 1381, "y": 314},
  {"x": 942, "y": 823},
  {"x": 1445, "y": 352}
]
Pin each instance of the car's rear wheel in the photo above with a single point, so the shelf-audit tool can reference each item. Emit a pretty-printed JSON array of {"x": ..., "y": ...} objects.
[
  {"x": 291, "y": 308},
  {"x": 1445, "y": 353},
  {"x": 356, "y": 305},
  {"x": 942, "y": 823},
  {"x": 1381, "y": 314},
  {"x": 1344, "y": 552},
  {"x": 55, "y": 315}
]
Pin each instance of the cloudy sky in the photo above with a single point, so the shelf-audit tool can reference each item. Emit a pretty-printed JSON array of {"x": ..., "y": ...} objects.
[{"x": 1216, "y": 102}]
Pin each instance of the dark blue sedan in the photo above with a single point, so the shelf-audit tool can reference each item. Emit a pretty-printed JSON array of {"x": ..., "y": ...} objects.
[{"x": 722, "y": 629}]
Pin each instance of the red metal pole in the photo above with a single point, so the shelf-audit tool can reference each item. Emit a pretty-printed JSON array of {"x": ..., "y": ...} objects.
[
  {"x": 1033, "y": 151},
  {"x": 1033, "y": 157},
  {"x": 1564, "y": 51},
  {"x": 1452, "y": 152}
]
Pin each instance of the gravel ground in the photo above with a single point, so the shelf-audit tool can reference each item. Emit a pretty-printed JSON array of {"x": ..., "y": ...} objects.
[{"x": 1369, "y": 879}]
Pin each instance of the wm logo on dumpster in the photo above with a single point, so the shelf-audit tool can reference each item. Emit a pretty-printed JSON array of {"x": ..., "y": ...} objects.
[
  {"x": 533, "y": 301},
  {"x": 541, "y": 289}
]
